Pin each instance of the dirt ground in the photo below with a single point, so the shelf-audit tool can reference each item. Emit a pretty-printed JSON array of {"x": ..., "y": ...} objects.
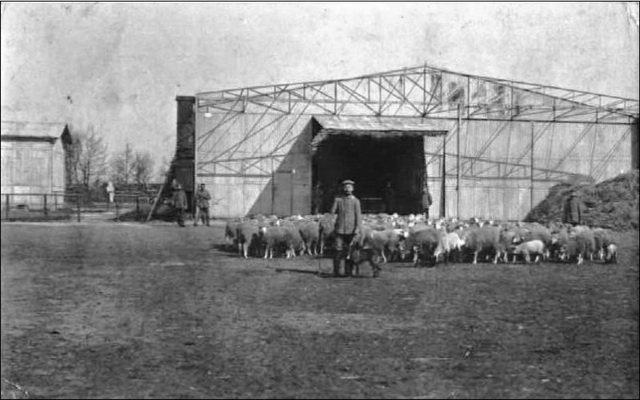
[{"x": 154, "y": 311}]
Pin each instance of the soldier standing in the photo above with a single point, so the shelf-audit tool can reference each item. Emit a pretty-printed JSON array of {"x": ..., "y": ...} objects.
[
  {"x": 348, "y": 224},
  {"x": 202, "y": 205},
  {"x": 179, "y": 201},
  {"x": 316, "y": 200},
  {"x": 573, "y": 210},
  {"x": 426, "y": 202}
]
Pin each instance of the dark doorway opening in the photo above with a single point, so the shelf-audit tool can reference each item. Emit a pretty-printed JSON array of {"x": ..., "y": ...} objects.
[{"x": 371, "y": 160}]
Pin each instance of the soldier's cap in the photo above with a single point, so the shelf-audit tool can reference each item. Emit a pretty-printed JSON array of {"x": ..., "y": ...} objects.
[{"x": 348, "y": 182}]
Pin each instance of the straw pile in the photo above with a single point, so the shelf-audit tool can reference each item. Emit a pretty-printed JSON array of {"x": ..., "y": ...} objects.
[{"x": 611, "y": 204}]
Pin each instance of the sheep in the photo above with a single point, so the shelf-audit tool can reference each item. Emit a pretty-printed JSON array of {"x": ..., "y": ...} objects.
[
  {"x": 486, "y": 238},
  {"x": 559, "y": 239},
  {"x": 380, "y": 241},
  {"x": 272, "y": 237},
  {"x": 611, "y": 255},
  {"x": 423, "y": 243},
  {"x": 603, "y": 238},
  {"x": 247, "y": 236},
  {"x": 535, "y": 246},
  {"x": 448, "y": 243},
  {"x": 286, "y": 236},
  {"x": 310, "y": 234},
  {"x": 231, "y": 233},
  {"x": 578, "y": 248},
  {"x": 326, "y": 228}
]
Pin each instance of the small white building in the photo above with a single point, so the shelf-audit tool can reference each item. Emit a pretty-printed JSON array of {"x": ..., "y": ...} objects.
[{"x": 33, "y": 162}]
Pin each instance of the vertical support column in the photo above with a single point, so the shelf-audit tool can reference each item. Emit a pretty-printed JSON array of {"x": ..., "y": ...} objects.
[
  {"x": 273, "y": 188},
  {"x": 531, "y": 168},
  {"x": 444, "y": 177},
  {"x": 424, "y": 91},
  {"x": 6, "y": 205},
  {"x": 335, "y": 98},
  {"x": 46, "y": 214},
  {"x": 635, "y": 148},
  {"x": 115, "y": 199},
  {"x": 379, "y": 95},
  {"x": 458, "y": 162},
  {"x": 293, "y": 171},
  {"x": 78, "y": 205}
]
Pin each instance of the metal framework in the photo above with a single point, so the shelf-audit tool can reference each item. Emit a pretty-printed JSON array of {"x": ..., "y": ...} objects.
[
  {"x": 419, "y": 92},
  {"x": 426, "y": 92}
]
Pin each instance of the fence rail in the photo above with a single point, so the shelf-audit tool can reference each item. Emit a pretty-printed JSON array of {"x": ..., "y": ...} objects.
[{"x": 68, "y": 206}]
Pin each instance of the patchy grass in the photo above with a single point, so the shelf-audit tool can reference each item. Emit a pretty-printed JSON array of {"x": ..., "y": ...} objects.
[{"x": 127, "y": 310}]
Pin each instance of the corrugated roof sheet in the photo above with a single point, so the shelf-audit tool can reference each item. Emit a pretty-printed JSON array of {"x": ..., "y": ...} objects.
[{"x": 41, "y": 130}]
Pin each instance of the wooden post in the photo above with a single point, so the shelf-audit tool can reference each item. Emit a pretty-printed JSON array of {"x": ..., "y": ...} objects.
[
  {"x": 45, "y": 206},
  {"x": 78, "y": 205},
  {"x": 444, "y": 177},
  {"x": 138, "y": 206},
  {"x": 155, "y": 202},
  {"x": 7, "y": 205}
]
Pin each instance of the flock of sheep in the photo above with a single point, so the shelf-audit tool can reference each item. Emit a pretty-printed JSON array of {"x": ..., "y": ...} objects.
[{"x": 426, "y": 242}]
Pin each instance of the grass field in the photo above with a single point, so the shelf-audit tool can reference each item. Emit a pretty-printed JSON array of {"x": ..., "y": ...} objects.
[{"x": 154, "y": 311}]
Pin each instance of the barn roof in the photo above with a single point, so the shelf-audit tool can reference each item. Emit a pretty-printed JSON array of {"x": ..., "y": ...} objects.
[{"x": 34, "y": 130}]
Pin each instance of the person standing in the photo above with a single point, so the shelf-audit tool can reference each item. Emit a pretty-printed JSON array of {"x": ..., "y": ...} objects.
[
  {"x": 388, "y": 196},
  {"x": 347, "y": 226},
  {"x": 111, "y": 190},
  {"x": 179, "y": 201},
  {"x": 573, "y": 210},
  {"x": 426, "y": 202},
  {"x": 318, "y": 193},
  {"x": 202, "y": 205}
]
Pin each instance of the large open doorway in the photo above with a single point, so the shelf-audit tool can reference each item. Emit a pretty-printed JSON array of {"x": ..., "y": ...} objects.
[{"x": 371, "y": 161}]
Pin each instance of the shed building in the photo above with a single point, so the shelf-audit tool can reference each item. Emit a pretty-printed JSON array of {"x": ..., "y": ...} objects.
[
  {"x": 485, "y": 147},
  {"x": 33, "y": 161}
]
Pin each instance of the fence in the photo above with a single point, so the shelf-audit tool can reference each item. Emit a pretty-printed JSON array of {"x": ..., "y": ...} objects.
[{"x": 70, "y": 206}]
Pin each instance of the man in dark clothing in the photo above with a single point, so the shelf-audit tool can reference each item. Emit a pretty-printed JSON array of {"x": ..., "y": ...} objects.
[
  {"x": 202, "y": 205},
  {"x": 179, "y": 202},
  {"x": 426, "y": 202},
  {"x": 348, "y": 224},
  {"x": 388, "y": 195},
  {"x": 318, "y": 194},
  {"x": 573, "y": 210}
]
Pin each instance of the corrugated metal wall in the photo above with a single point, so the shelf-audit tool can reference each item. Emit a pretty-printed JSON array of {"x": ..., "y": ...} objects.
[
  {"x": 247, "y": 159},
  {"x": 501, "y": 188}
]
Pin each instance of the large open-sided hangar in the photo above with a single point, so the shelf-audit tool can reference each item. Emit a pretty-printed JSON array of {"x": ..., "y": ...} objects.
[{"x": 486, "y": 147}]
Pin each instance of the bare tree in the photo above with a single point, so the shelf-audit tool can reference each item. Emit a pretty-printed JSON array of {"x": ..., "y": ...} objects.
[
  {"x": 122, "y": 166},
  {"x": 87, "y": 158},
  {"x": 142, "y": 168},
  {"x": 164, "y": 168}
]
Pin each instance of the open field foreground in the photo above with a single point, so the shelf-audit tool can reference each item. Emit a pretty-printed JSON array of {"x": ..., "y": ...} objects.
[{"x": 154, "y": 311}]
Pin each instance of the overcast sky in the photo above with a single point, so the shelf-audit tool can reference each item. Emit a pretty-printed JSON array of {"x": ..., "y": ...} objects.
[{"x": 119, "y": 66}]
